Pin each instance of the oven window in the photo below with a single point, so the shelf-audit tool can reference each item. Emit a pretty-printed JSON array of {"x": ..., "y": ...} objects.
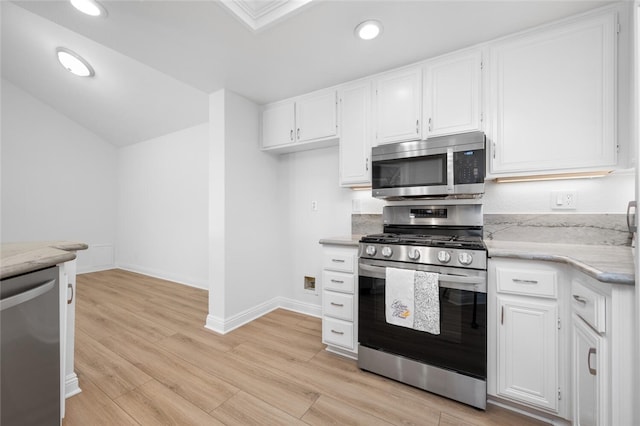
[
  {"x": 461, "y": 345},
  {"x": 428, "y": 170}
]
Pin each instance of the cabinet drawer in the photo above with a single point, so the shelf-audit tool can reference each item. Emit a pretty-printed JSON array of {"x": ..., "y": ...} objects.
[
  {"x": 338, "y": 281},
  {"x": 337, "y": 332},
  {"x": 589, "y": 305},
  {"x": 337, "y": 305},
  {"x": 527, "y": 282},
  {"x": 342, "y": 262}
]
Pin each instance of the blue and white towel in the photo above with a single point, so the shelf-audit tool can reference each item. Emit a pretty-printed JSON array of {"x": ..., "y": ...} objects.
[{"x": 412, "y": 299}]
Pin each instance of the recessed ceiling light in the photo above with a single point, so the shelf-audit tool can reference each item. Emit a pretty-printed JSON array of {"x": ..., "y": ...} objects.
[
  {"x": 74, "y": 63},
  {"x": 90, "y": 7},
  {"x": 368, "y": 30}
]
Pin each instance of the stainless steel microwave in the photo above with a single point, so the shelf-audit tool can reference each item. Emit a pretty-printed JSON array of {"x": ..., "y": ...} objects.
[{"x": 441, "y": 166}]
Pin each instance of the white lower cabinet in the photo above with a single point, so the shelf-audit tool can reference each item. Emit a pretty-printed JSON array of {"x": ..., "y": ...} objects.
[
  {"x": 528, "y": 351},
  {"x": 588, "y": 375},
  {"x": 69, "y": 385},
  {"x": 602, "y": 358},
  {"x": 339, "y": 299},
  {"x": 560, "y": 343},
  {"x": 528, "y": 345}
]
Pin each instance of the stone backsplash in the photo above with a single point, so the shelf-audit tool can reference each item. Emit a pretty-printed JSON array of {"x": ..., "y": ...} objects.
[
  {"x": 599, "y": 229},
  {"x": 365, "y": 224}
]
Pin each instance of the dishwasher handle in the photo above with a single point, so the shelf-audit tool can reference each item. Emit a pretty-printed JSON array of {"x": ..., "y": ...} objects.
[{"x": 12, "y": 301}]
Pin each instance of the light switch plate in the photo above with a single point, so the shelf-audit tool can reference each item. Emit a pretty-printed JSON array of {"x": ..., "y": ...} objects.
[{"x": 564, "y": 200}]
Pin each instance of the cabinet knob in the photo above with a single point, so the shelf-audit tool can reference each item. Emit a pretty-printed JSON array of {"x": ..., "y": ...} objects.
[
  {"x": 429, "y": 124},
  {"x": 417, "y": 127},
  {"x": 291, "y": 135},
  {"x": 298, "y": 134}
]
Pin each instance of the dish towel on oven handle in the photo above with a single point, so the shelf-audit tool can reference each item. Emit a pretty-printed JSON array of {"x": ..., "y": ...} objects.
[{"x": 412, "y": 299}]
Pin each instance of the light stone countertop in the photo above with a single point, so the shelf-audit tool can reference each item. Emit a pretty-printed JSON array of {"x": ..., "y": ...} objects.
[
  {"x": 345, "y": 240},
  {"x": 20, "y": 258},
  {"x": 608, "y": 264}
]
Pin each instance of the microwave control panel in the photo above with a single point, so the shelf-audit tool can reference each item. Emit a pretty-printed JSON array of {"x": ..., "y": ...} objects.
[{"x": 469, "y": 167}]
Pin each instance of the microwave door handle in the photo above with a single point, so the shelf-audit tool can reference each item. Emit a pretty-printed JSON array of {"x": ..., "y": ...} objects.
[{"x": 449, "y": 170}]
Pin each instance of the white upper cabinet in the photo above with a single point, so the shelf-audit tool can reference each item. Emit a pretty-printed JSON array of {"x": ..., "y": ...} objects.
[
  {"x": 278, "y": 125},
  {"x": 355, "y": 134},
  {"x": 553, "y": 98},
  {"x": 452, "y": 101},
  {"x": 398, "y": 103},
  {"x": 316, "y": 117},
  {"x": 293, "y": 124}
]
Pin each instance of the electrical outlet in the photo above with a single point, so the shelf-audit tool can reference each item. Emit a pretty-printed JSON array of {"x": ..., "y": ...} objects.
[
  {"x": 564, "y": 200},
  {"x": 356, "y": 206},
  {"x": 314, "y": 206}
]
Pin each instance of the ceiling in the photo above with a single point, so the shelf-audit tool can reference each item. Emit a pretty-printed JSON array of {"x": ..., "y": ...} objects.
[{"x": 156, "y": 62}]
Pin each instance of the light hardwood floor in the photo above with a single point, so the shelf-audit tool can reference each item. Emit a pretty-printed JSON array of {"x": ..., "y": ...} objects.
[{"x": 144, "y": 357}]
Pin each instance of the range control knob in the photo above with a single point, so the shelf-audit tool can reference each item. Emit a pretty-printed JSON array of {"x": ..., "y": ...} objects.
[
  {"x": 386, "y": 251},
  {"x": 414, "y": 254},
  {"x": 465, "y": 258},
  {"x": 444, "y": 256},
  {"x": 371, "y": 250}
]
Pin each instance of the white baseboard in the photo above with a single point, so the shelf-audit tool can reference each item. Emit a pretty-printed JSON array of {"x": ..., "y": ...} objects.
[
  {"x": 90, "y": 269},
  {"x": 301, "y": 307},
  {"x": 526, "y": 411},
  {"x": 223, "y": 326},
  {"x": 71, "y": 385},
  {"x": 163, "y": 275}
]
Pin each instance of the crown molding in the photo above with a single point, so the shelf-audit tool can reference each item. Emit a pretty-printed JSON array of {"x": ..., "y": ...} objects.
[{"x": 259, "y": 14}]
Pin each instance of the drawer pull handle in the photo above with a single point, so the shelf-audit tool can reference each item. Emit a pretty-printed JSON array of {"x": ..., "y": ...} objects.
[
  {"x": 579, "y": 299},
  {"x": 592, "y": 371},
  {"x": 338, "y": 260},
  {"x": 337, "y": 281},
  {"x": 520, "y": 281},
  {"x": 70, "y": 287},
  {"x": 337, "y": 332},
  {"x": 337, "y": 304}
]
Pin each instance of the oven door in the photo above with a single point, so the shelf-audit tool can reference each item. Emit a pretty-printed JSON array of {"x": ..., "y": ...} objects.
[{"x": 461, "y": 345}]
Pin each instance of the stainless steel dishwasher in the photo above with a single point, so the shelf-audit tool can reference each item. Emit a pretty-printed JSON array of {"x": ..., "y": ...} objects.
[{"x": 30, "y": 349}]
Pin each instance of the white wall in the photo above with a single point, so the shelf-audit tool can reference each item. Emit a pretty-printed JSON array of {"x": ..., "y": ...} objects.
[
  {"x": 246, "y": 232},
  {"x": 58, "y": 179},
  {"x": 312, "y": 176},
  {"x": 162, "y": 214},
  {"x": 609, "y": 194}
]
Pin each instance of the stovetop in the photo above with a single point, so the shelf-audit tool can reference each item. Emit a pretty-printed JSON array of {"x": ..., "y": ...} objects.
[{"x": 469, "y": 242}]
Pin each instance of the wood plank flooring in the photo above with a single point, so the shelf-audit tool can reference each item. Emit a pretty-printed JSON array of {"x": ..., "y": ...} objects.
[{"x": 143, "y": 356}]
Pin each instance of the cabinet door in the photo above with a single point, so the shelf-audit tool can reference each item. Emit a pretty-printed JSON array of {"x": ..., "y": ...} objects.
[
  {"x": 398, "y": 106},
  {"x": 355, "y": 134},
  {"x": 452, "y": 94},
  {"x": 528, "y": 351},
  {"x": 278, "y": 124},
  {"x": 588, "y": 373},
  {"x": 553, "y": 96},
  {"x": 316, "y": 117}
]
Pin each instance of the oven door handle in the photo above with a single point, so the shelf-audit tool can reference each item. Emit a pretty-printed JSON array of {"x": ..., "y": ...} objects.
[{"x": 458, "y": 282}]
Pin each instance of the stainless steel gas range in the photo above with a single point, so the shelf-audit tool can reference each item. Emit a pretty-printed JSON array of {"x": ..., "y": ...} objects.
[{"x": 443, "y": 243}]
